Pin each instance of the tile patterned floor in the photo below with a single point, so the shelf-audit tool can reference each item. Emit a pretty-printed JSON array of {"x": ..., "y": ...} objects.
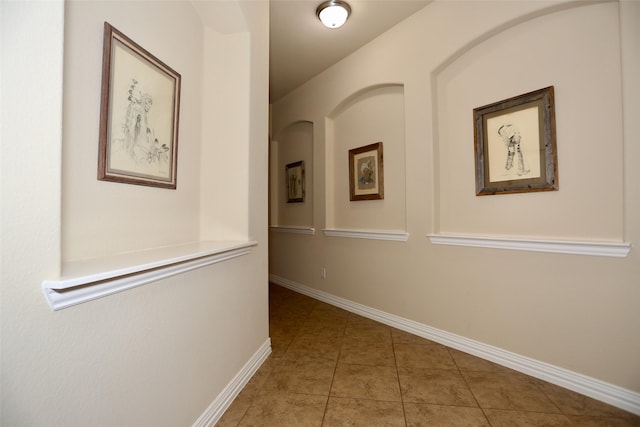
[{"x": 333, "y": 368}]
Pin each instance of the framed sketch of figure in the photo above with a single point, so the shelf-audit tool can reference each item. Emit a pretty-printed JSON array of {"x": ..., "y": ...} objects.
[
  {"x": 515, "y": 144},
  {"x": 139, "y": 111},
  {"x": 294, "y": 178}
]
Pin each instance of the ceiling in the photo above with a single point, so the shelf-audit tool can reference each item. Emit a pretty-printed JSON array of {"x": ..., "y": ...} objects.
[{"x": 301, "y": 47}]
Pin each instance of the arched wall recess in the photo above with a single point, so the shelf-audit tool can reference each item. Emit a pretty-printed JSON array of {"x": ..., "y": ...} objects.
[
  {"x": 586, "y": 215},
  {"x": 292, "y": 158},
  {"x": 371, "y": 115},
  {"x": 145, "y": 235}
]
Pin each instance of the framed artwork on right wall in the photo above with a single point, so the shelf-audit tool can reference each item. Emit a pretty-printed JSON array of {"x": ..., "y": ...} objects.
[
  {"x": 366, "y": 173},
  {"x": 515, "y": 144}
]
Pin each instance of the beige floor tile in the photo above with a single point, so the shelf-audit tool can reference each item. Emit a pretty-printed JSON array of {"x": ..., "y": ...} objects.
[
  {"x": 241, "y": 403},
  {"x": 368, "y": 332},
  {"x": 511, "y": 391},
  {"x": 278, "y": 349},
  {"x": 336, "y": 368},
  {"x": 423, "y": 356},
  {"x": 468, "y": 362},
  {"x": 367, "y": 353},
  {"x": 236, "y": 411},
  {"x": 327, "y": 313},
  {"x": 283, "y": 329},
  {"x": 435, "y": 386},
  {"x": 402, "y": 337},
  {"x": 342, "y": 412},
  {"x": 361, "y": 320},
  {"x": 320, "y": 330},
  {"x": 499, "y": 418},
  {"x": 572, "y": 403},
  {"x": 285, "y": 410},
  {"x": 311, "y": 376},
  {"x": 258, "y": 380},
  {"x": 291, "y": 299},
  {"x": 290, "y": 311},
  {"x": 422, "y": 415},
  {"x": 584, "y": 421},
  {"x": 325, "y": 316},
  {"x": 366, "y": 382},
  {"x": 304, "y": 348}
]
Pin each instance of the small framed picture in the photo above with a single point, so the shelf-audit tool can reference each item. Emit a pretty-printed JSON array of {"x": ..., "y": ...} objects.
[
  {"x": 515, "y": 144},
  {"x": 366, "y": 173},
  {"x": 294, "y": 177},
  {"x": 139, "y": 109}
]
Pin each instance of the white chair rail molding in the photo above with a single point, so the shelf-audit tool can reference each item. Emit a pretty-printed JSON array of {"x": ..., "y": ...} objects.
[
  {"x": 595, "y": 248},
  {"x": 85, "y": 280},
  {"x": 394, "y": 235}
]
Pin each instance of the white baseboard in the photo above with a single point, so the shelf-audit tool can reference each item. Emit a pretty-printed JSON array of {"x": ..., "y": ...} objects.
[
  {"x": 619, "y": 397},
  {"x": 221, "y": 403}
]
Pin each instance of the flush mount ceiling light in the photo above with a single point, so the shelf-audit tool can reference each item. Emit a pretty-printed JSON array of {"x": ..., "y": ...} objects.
[{"x": 333, "y": 13}]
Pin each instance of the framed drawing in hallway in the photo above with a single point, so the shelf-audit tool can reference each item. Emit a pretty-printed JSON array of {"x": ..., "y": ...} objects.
[
  {"x": 139, "y": 111},
  {"x": 515, "y": 144},
  {"x": 366, "y": 173},
  {"x": 294, "y": 177}
]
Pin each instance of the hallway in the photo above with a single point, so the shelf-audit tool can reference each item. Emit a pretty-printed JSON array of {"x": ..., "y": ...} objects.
[{"x": 330, "y": 367}]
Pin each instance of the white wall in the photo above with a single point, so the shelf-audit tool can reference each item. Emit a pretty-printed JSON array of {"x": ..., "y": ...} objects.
[
  {"x": 158, "y": 354},
  {"x": 570, "y": 311}
]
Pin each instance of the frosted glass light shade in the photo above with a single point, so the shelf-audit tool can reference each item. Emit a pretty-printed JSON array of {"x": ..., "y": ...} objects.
[{"x": 334, "y": 13}]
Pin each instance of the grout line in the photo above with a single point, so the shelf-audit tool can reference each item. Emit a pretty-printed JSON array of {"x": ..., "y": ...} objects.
[
  {"x": 395, "y": 362},
  {"x": 335, "y": 368},
  {"x": 541, "y": 389},
  {"x": 484, "y": 414}
]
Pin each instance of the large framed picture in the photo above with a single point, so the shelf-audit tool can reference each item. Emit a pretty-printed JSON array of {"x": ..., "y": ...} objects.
[
  {"x": 515, "y": 144},
  {"x": 139, "y": 111},
  {"x": 294, "y": 177},
  {"x": 366, "y": 173}
]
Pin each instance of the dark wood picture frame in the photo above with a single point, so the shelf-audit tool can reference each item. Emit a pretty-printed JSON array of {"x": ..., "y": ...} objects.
[
  {"x": 139, "y": 114},
  {"x": 366, "y": 173},
  {"x": 295, "y": 181},
  {"x": 515, "y": 144}
]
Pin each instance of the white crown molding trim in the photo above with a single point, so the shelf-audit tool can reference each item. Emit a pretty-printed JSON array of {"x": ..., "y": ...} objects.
[
  {"x": 607, "y": 249},
  {"x": 398, "y": 236},
  {"x": 87, "y": 280},
  {"x": 293, "y": 230},
  {"x": 622, "y": 398},
  {"x": 221, "y": 403}
]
